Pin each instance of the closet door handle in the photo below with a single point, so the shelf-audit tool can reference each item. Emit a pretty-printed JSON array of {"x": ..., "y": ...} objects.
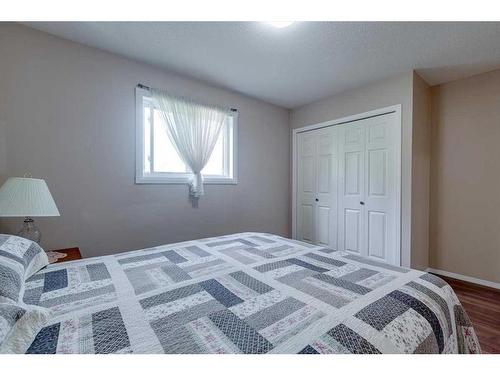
[
  {"x": 317, "y": 200},
  {"x": 362, "y": 203}
]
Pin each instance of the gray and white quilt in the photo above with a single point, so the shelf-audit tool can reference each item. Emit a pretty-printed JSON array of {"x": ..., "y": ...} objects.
[{"x": 245, "y": 293}]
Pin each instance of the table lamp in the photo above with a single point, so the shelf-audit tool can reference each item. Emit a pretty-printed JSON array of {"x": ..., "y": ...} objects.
[{"x": 27, "y": 197}]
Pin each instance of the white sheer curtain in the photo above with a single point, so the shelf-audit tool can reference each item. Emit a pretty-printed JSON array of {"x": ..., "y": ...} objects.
[{"x": 193, "y": 129}]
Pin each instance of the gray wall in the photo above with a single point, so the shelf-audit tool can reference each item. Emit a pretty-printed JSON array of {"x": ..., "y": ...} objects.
[
  {"x": 465, "y": 178},
  {"x": 421, "y": 172},
  {"x": 67, "y": 114}
]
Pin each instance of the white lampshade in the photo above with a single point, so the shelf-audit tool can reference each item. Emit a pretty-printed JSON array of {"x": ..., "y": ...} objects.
[{"x": 29, "y": 197}]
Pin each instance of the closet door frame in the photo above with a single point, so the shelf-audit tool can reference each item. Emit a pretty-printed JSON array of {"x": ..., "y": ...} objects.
[{"x": 396, "y": 109}]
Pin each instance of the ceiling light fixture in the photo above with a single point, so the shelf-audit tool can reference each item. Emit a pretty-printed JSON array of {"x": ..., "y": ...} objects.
[{"x": 281, "y": 24}]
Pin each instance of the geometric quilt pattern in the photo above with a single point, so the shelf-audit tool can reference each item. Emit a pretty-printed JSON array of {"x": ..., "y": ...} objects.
[
  {"x": 251, "y": 293},
  {"x": 69, "y": 287},
  {"x": 234, "y": 313},
  {"x": 155, "y": 270},
  {"x": 330, "y": 280}
]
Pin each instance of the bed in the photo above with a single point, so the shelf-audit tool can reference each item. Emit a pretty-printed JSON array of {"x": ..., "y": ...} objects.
[{"x": 245, "y": 293}]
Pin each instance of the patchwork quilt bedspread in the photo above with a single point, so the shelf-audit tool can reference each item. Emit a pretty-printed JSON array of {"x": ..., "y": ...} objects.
[{"x": 245, "y": 293}]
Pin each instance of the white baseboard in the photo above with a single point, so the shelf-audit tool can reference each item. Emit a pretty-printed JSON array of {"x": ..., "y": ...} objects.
[{"x": 470, "y": 279}]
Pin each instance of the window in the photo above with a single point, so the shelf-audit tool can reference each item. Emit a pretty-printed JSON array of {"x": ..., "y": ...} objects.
[{"x": 157, "y": 160}]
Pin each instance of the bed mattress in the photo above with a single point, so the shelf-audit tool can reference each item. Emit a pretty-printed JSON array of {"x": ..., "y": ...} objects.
[{"x": 245, "y": 293}]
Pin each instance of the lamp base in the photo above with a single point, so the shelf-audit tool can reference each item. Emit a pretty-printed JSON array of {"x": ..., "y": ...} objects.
[{"x": 30, "y": 231}]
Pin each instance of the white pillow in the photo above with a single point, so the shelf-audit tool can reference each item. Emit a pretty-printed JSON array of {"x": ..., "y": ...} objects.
[
  {"x": 19, "y": 325},
  {"x": 19, "y": 259}
]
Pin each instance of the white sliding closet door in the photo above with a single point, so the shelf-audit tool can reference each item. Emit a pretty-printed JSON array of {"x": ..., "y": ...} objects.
[
  {"x": 352, "y": 186},
  {"x": 326, "y": 187},
  {"x": 317, "y": 187},
  {"x": 306, "y": 187},
  {"x": 368, "y": 182},
  {"x": 347, "y": 187}
]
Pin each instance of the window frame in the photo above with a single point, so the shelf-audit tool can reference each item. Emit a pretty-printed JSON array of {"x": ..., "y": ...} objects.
[{"x": 142, "y": 177}]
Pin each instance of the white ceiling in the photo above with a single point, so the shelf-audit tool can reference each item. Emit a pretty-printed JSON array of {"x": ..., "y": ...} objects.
[{"x": 301, "y": 63}]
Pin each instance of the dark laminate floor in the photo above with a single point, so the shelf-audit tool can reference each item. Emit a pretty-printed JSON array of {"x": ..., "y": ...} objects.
[{"x": 483, "y": 307}]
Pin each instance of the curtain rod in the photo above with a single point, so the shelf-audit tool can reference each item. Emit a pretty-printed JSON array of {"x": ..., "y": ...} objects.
[{"x": 141, "y": 86}]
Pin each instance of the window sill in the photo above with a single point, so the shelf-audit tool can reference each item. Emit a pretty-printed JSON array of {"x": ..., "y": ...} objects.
[{"x": 162, "y": 180}]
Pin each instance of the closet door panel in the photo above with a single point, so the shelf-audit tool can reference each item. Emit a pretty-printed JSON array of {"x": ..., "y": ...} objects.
[
  {"x": 377, "y": 172},
  {"x": 324, "y": 175},
  {"x": 351, "y": 146},
  {"x": 377, "y": 234},
  {"x": 353, "y": 173},
  {"x": 324, "y": 224},
  {"x": 347, "y": 187},
  {"x": 353, "y": 235},
  {"x": 307, "y": 226},
  {"x": 326, "y": 196},
  {"x": 380, "y": 203},
  {"x": 306, "y": 187},
  {"x": 307, "y": 164}
]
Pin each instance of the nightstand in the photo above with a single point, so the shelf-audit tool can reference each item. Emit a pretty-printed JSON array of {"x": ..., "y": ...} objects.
[{"x": 72, "y": 253}]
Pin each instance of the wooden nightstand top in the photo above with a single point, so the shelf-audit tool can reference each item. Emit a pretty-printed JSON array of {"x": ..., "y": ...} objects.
[{"x": 72, "y": 253}]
